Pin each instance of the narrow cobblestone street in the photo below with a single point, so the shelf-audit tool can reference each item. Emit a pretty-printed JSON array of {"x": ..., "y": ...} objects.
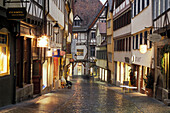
[{"x": 87, "y": 96}]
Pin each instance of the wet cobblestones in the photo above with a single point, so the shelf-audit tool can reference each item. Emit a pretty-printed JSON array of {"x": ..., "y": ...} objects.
[{"x": 89, "y": 97}]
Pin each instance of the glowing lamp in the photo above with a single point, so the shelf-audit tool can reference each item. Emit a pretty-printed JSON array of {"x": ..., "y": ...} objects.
[{"x": 143, "y": 49}]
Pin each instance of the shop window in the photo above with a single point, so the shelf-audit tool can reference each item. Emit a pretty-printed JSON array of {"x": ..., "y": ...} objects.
[{"x": 4, "y": 55}]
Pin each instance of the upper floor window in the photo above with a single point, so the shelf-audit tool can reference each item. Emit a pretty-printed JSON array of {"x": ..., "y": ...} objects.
[
  {"x": 119, "y": 2},
  {"x": 93, "y": 35},
  {"x": 122, "y": 21},
  {"x": 77, "y": 21},
  {"x": 109, "y": 40},
  {"x": 138, "y": 6},
  {"x": 80, "y": 52},
  {"x": 92, "y": 51},
  {"x": 108, "y": 23}
]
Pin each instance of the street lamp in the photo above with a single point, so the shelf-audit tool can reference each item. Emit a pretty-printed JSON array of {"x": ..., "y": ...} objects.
[{"x": 56, "y": 28}]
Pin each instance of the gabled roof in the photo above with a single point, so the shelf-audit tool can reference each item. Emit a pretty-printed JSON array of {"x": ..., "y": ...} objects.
[
  {"x": 91, "y": 24},
  {"x": 86, "y": 9},
  {"x": 77, "y": 17}
]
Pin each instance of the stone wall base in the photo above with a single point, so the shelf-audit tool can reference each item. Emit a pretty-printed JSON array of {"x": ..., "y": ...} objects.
[{"x": 24, "y": 93}]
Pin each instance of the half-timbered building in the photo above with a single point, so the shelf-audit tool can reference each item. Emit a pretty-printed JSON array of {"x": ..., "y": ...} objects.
[{"x": 161, "y": 25}]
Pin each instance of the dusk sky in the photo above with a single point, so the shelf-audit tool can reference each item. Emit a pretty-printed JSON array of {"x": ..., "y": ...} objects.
[{"x": 103, "y": 1}]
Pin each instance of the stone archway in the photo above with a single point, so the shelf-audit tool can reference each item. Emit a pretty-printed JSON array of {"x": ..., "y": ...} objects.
[{"x": 159, "y": 87}]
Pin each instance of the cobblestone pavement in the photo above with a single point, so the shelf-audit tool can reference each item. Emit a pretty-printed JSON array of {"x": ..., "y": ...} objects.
[{"x": 90, "y": 97}]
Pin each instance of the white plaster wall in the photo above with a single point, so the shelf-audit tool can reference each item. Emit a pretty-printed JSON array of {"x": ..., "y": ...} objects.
[
  {"x": 142, "y": 20},
  {"x": 85, "y": 51},
  {"x": 122, "y": 31},
  {"x": 143, "y": 59},
  {"x": 123, "y": 55},
  {"x": 56, "y": 13}
]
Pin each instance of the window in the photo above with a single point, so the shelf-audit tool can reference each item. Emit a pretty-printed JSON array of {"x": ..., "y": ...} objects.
[
  {"x": 126, "y": 44},
  {"x": 129, "y": 43},
  {"x": 122, "y": 21},
  {"x": 151, "y": 41},
  {"x": 143, "y": 4},
  {"x": 119, "y": 2},
  {"x": 4, "y": 55},
  {"x": 148, "y": 2},
  {"x": 137, "y": 42},
  {"x": 133, "y": 42},
  {"x": 138, "y": 6},
  {"x": 109, "y": 40},
  {"x": 140, "y": 38},
  {"x": 134, "y": 7},
  {"x": 115, "y": 45},
  {"x": 80, "y": 52},
  {"x": 145, "y": 37},
  {"x": 92, "y": 51},
  {"x": 93, "y": 35},
  {"x": 77, "y": 22},
  {"x": 108, "y": 23},
  {"x": 102, "y": 54},
  {"x": 75, "y": 35},
  {"x": 110, "y": 57}
]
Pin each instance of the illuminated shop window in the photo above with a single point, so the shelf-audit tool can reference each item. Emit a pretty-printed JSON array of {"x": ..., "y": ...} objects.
[{"x": 4, "y": 61}]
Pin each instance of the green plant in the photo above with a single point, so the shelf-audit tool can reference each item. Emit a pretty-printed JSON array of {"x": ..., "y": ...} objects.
[{"x": 149, "y": 80}]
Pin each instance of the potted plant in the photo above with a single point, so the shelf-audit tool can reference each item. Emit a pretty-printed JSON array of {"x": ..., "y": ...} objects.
[{"x": 149, "y": 81}]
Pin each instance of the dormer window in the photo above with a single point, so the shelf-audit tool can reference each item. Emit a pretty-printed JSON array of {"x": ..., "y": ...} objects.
[{"x": 77, "y": 21}]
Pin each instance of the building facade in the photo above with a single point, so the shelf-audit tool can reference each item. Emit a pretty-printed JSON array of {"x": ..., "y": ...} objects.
[
  {"x": 122, "y": 40},
  {"x": 101, "y": 52},
  {"x": 110, "y": 63},
  {"x": 161, "y": 19},
  {"x": 142, "y": 62}
]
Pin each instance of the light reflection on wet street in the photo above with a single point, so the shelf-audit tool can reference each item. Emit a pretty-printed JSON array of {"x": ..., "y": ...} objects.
[
  {"x": 95, "y": 98},
  {"x": 89, "y": 97}
]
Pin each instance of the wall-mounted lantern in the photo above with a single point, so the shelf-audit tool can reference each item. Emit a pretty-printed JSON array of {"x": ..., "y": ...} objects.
[
  {"x": 56, "y": 28},
  {"x": 143, "y": 48}
]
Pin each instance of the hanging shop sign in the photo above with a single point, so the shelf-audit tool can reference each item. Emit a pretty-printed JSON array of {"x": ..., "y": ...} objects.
[
  {"x": 16, "y": 13},
  {"x": 42, "y": 41},
  {"x": 154, "y": 37},
  {"x": 56, "y": 53}
]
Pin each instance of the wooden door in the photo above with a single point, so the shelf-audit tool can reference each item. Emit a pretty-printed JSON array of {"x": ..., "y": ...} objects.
[{"x": 37, "y": 75}]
